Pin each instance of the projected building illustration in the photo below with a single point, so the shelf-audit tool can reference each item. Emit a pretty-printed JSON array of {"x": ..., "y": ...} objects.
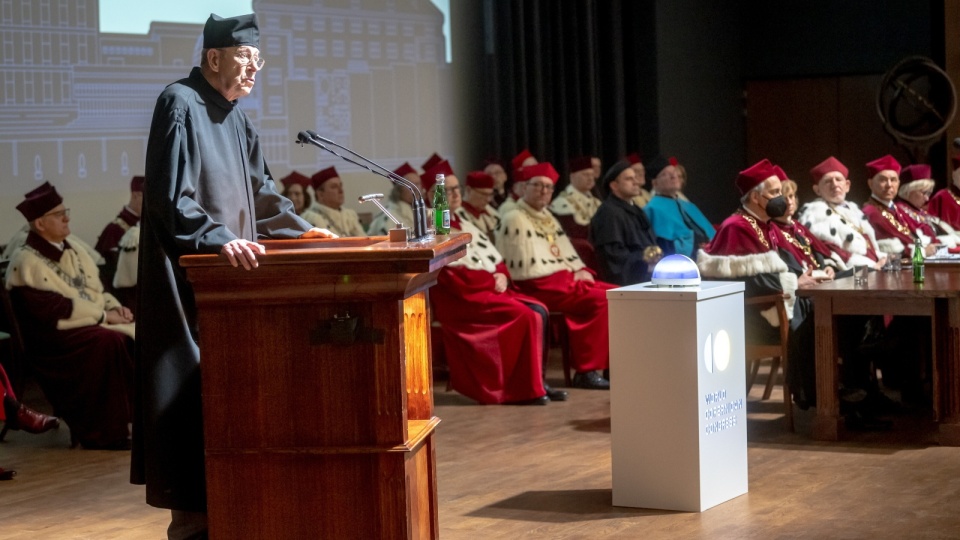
[{"x": 76, "y": 104}]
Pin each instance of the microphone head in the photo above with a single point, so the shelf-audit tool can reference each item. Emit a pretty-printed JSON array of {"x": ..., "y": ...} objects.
[
  {"x": 313, "y": 135},
  {"x": 303, "y": 137}
]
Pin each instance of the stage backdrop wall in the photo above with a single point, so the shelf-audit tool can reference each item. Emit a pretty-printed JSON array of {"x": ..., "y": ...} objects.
[{"x": 76, "y": 103}]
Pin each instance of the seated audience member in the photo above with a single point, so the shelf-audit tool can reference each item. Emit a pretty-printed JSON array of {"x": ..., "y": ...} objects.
[
  {"x": 544, "y": 265},
  {"x": 916, "y": 186},
  {"x": 475, "y": 207},
  {"x": 796, "y": 242},
  {"x": 295, "y": 188},
  {"x": 80, "y": 338},
  {"x": 494, "y": 336},
  {"x": 328, "y": 211},
  {"x": 744, "y": 249},
  {"x": 681, "y": 227},
  {"x": 428, "y": 180},
  {"x": 837, "y": 222},
  {"x": 620, "y": 231},
  {"x": 636, "y": 164},
  {"x": 895, "y": 229},
  {"x": 17, "y": 416},
  {"x": 945, "y": 204},
  {"x": 20, "y": 237},
  {"x": 399, "y": 203},
  {"x": 519, "y": 161},
  {"x": 575, "y": 206},
  {"x": 597, "y": 166},
  {"x": 495, "y": 170},
  {"x": 128, "y": 217}
]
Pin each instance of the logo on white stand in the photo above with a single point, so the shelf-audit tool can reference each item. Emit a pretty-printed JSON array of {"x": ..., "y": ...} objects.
[{"x": 716, "y": 351}]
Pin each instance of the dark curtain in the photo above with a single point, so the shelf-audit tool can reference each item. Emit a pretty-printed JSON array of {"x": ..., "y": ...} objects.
[{"x": 563, "y": 78}]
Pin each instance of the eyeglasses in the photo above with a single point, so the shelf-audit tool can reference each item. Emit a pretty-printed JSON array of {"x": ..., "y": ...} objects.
[
  {"x": 59, "y": 215},
  {"x": 454, "y": 189},
  {"x": 541, "y": 187},
  {"x": 246, "y": 59}
]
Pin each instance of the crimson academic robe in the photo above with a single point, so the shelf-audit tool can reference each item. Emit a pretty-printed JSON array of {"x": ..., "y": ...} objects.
[
  {"x": 945, "y": 204},
  {"x": 808, "y": 250},
  {"x": 542, "y": 262},
  {"x": 896, "y": 231},
  {"x": 206, "y": 184},
  {"x": 113, "y": 232},
  {"x": 493, "y": 341}
]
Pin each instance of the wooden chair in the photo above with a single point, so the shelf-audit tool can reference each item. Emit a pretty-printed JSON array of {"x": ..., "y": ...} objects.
[{"x": 777, "y": 352}]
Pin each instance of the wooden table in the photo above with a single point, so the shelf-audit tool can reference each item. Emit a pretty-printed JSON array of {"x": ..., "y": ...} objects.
[{"x": 891, "y": 293}]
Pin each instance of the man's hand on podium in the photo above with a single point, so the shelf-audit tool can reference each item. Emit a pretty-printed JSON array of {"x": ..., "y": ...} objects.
[
  {"x": 318, "y": 233},
  {"x": 243, "y": 252}
]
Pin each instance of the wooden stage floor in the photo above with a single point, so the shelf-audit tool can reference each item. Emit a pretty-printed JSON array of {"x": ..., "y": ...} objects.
[{"x": 544, "y": 472}]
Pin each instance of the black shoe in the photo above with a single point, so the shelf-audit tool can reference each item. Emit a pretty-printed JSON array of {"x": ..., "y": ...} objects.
[
  {"x": 554, "y": 394},
  {"x": 542, "y": 400},
  {"x": 606, "y": 374},
  {"x": 591, "y": 380}
]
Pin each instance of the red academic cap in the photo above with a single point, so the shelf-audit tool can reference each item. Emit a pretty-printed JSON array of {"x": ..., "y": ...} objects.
[
  {"x": 479, "y": 180},
  {"x": 39, "y": 201},
  {"x": 322, "y": 176},
  {"x": 581, "y": 163},
  {"x": 429, "y": 176},
  {"x": 920, "y": 171},
  {"x": 136, "y": 184},
  {"x": 295, "y": 178},
  {"x": 518, "y": 159},
  {"x": 633, "y": 158},
  {"x": 779, "y": 172},
  {"x": 829, "y": 165},
  {"x": 431, "y": 161},
  {"x": 886, "y": 163},
  {"x": 404, "y": 169},
  {"x": 540, "y": 169},
  {"x": 673, "y": 161},
  {"x": 754, "y": 175}
]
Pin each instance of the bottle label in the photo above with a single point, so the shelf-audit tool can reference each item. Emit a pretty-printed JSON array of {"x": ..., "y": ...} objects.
[{"x": 446, "y": 219}]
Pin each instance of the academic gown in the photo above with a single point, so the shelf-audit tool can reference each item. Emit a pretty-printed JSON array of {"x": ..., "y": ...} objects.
[
  {"x": 542, "y": 261},
  {"x": 206, "y": 184},
  {"x": 620, "y": 232},
  {"x": 670, "y": 218},
  {"x": 84, "y": 368},
  {"x": 807, "y": 249},
  {"x": 108, "y": 243},
  {"x": 493, "y": 341},
  {"x": 945, "y": 204},
  {"x": 574, "y": 210},
  {"x": 896, "y": 231},
  {"x": 844, "y": 229}
]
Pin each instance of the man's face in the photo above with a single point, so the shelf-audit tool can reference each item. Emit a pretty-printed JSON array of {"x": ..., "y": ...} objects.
[
  {"x": 626, "y": 186},
  {"x": 331, "y": 193},
  {"x": 583, "y": 181},
  {"x": 479, "y": 197},
  {"x": 641, "y": 173},
  {"x": 234, "y": 79},
  {"x": 54, "y": 226},
  {"x": 294, "y": 192},
  {"x": 667, "y": 182},
  {"x": 538, "y": 191},
  {"x": 771, "y": 188},
  {"x": 918, "y": 198},
  {"x": 452, "y": 189},
  {"x": 884, "y": 185},
  {"x": 497, "y": 173},
  {"x": 136, "y": 202},
  {"x": 597, "y": 166},
  {"x": 833, "y": 187}
]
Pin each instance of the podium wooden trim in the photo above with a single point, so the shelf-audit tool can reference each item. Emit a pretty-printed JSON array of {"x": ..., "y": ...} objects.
[{"x": 317, "y": 388}]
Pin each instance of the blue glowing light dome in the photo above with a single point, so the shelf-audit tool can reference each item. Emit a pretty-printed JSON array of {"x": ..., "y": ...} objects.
[{"x": 676, "y": 271}]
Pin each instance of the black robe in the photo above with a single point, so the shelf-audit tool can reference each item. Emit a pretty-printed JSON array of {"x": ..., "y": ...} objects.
[
  {"x": 206, "y": 184},
  {"x": 620, "y": 232}
]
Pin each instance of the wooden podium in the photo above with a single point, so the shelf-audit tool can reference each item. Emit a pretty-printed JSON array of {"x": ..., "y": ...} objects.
[{"x": 317, "y": 389}]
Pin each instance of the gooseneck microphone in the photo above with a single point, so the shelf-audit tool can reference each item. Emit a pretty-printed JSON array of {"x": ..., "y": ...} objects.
[{"x": 419, "y": 207}]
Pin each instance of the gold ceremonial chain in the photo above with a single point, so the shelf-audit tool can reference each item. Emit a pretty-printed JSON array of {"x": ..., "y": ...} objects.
[
  {"x": 893, "y": 219},
  {"x": 543, "y": 224},
  {"x": 79, "y": 282},
  {"x": 845, "y": 219},
  {"x": 954, "y": 195},
  {"x": 123, "y": 224},
  {"x": 577, "y": 206},
  {"x": 805, "y": 248},
  {"x": 756, "y": 228},
  {"x": 652, "y": 254}
]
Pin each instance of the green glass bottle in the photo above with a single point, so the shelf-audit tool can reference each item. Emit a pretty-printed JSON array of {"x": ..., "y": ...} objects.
[
  {"x": 917, "y": 262},
  {"x": 441, "y": 208}
]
